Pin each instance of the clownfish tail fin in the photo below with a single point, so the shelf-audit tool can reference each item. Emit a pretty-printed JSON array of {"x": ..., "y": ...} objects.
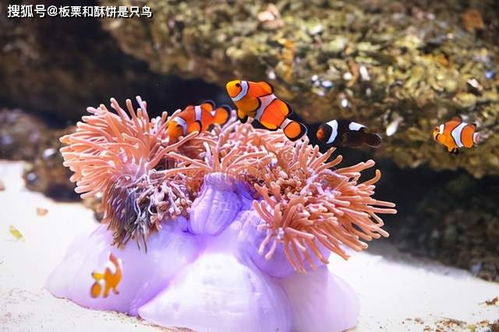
[
  {"x": 209, "y": 105},
  {"x": 373, "y": 140},
  {"x": 476, "y": 138},
  {"x": 96, "y": 288},
  {"x": 97, "y": 276},
  {"x": 293, "y": 130},
  {"x": 222, "y": 114}
]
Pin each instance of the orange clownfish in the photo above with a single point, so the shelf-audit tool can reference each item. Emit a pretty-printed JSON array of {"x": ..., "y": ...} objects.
[
  {"x": 257, "y": 100},
  {"x": 108, "y": 280},
  {"x": 455, "y": 134},
  {"x": 197, "y": 118}
]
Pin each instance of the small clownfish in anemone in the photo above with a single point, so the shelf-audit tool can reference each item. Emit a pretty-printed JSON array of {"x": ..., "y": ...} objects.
[
  {"x": 257, "y": 100},
  {"x": 107, "y": 280},
  {"x": 197, "y": 118},
  {"x": 455, "y": 134},
  {"x": 343, "y": 133}
]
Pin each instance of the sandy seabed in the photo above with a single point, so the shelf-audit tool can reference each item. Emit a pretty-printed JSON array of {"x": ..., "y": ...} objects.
[{"x": 397, "y": 292}]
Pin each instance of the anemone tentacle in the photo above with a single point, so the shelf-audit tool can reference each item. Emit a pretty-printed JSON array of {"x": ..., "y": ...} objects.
[{"x": 307, "y": 203}]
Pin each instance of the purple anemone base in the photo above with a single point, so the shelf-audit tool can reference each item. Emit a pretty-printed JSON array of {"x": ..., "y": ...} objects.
[{"x": 204, "y": 272}]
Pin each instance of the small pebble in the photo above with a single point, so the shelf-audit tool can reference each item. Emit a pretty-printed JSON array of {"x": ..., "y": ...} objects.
[
  {"x": 347, "y": 76},
  {"x": 344, "y": 103},
  {"x": 327, "y": 84},
  {"x": 490, "y": 74},
  {"x": 41, "y": 211}
]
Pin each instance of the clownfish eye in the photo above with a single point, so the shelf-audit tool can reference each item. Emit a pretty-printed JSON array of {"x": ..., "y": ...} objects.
[{"x": 238, "y": 85}]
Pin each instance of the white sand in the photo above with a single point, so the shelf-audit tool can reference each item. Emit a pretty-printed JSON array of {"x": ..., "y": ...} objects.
[{"x": 397, "y": 292}]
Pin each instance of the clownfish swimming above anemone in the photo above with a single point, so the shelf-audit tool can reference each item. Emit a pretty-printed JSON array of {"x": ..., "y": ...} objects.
[
  {"x": 346, "y": 133},
  {"x": 257, "y": 100},
  {"x": 455, "y": 134},
  {"x": 197, "y": 118}
]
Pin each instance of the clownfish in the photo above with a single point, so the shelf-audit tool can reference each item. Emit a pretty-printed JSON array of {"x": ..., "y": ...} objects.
[
  {"x": 108, "y": 280},
  {"x": 341, "y": 133},
  {"x": 455, "y": 134},
  {"x": 257, "y": 100},
  {"x": 197, "y": 118}
]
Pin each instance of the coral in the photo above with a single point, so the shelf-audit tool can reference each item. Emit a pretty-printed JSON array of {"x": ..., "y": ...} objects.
[
  {"x": 249, "y": 205},
  {"x": 377, "y": 62}
]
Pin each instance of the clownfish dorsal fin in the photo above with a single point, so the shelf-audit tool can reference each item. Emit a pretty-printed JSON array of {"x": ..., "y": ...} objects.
[
  {"x": 267, "y": 87},
  {"x": 186, "y": 109},
  {"x": 457, "y": 118},
  {"x": 208, "y": 105},
  {"x": 222, "y": 114}
]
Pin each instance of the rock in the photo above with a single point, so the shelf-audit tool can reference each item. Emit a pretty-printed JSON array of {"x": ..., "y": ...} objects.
[
  {"x": 456, "y": 223},
  {"x": 418, "y": 63},
  {"x": 45, "y": 172},
  {"x": 21, "y": 134},
  {"x": 57, "y": 67}
]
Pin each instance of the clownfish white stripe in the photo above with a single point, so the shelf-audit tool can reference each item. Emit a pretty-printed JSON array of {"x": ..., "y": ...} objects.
[
  {"x": 334, "y": 131},
  {"x": 441, "y": 129},
  {"x": 285, "y": 123},
  {"x": 354, "y": 126},
  {"x": 244, "y": 91},
  {"x": 456, "y": 134},
  {"x": 182, "y": 123},
  {"x": 198, "y": 111},
  {"x": 264, "y": 102},
  {"x": 111, "y": 267}
]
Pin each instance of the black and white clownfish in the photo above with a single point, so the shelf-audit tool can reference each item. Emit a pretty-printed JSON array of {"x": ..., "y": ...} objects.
[
  {"x": 257, "y": 100},
  {"x": 346, "y": 133}
]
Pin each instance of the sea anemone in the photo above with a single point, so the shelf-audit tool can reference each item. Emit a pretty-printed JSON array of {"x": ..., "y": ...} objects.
[
  {"x": 241, "y": 199},
  {"x": 119, "y": 157}
]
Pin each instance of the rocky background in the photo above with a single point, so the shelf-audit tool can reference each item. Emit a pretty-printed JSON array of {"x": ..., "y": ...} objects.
[{"x": 401, "y": 68}]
